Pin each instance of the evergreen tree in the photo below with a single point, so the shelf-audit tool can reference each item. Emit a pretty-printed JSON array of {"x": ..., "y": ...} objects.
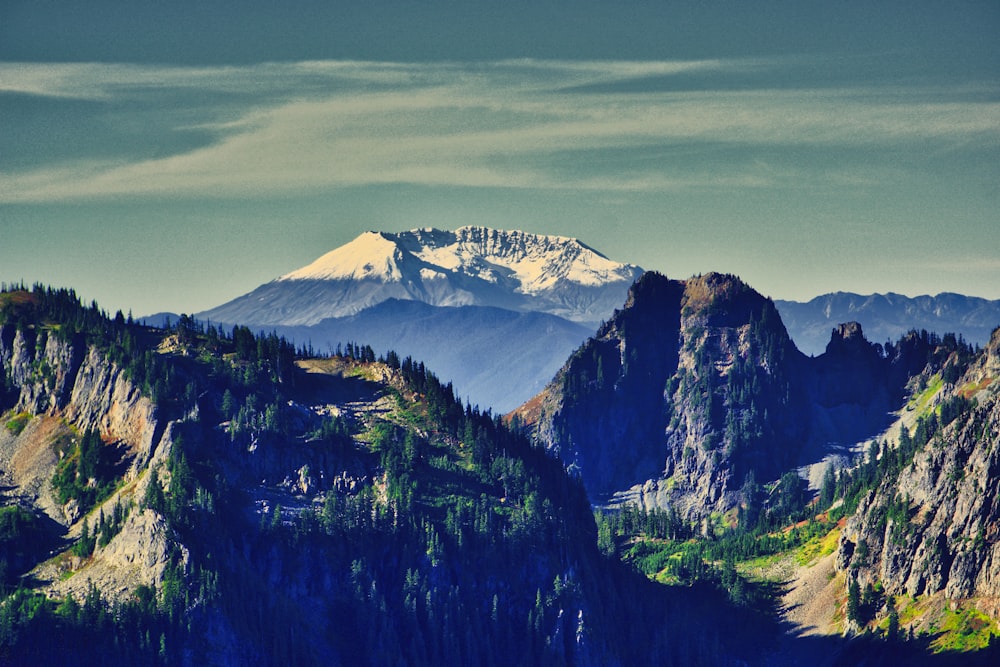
[
  {"x": 892, "y": 632},
  {"x": 153, "y": 498},
  {"x": 854, "y": 601}
]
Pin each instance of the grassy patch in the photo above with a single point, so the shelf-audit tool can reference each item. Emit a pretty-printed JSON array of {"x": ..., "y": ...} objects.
[
  {"x": 665, "y": 575},
  {"x": 922, "y": 401},
  {"x": 908, "y": 609},
  {"x": 775, "y": 568},
  {"x": 763, "y": 562},
  {"x": 963, "y": 629},
  {"x": 817, "y": 547},
  {"x": 17, "y": 423}
]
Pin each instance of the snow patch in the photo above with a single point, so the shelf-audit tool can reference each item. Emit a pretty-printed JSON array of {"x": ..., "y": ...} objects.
[
  {"x": 431, "y": 274},
  {"x": 372, "y": 255}
]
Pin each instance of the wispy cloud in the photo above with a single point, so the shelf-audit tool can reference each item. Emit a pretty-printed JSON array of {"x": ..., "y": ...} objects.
[{"x": 305, "y": 126}]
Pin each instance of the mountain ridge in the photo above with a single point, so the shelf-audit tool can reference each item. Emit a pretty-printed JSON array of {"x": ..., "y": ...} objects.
[
  {"x": 887, "y": 316},
  {"x": 184, "y": 496},
  {"x": 738, "y": 401}
]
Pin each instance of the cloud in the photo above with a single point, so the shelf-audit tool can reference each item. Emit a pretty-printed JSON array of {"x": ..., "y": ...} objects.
[{"x": 305, "y": 126}]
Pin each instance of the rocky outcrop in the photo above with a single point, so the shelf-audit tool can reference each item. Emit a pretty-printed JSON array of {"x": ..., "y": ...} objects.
[
  {"x": 944, "y": 534},
  {"x": 69, "y": 380},
  {"x": 136, "y": 556},
  {"x": 693, "y": 392},
  {"x": 730, "y": 402},
  {"x": 612, "y": 387},
  {"x": 62, "y": 388}
]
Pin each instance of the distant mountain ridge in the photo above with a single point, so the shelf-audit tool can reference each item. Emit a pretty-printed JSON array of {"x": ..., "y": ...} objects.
[
  {"x": 470, "y": 266},
  {"x": 888, "y": 316},
  {"x": 327, "y": 301},
  {"x": 474, "y": 346}
]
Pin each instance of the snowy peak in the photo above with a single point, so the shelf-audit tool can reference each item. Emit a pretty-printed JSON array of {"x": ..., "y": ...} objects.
[
  {"x": 373, "y": 255},
  {"x": 525, "y": 263}
]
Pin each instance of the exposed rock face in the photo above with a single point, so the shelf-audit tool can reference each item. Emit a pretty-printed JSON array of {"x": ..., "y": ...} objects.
[
  {"x": 136, "y": 556},
  {"x": 60, "y": 385},
  {"x": 950, "y": 540},
  {"x": 70, "y": 381},
  {"x": 695, "y": 389}
]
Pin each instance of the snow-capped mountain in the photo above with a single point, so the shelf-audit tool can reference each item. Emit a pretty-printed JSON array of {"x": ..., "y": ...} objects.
[{"x": 468, "y": 266}]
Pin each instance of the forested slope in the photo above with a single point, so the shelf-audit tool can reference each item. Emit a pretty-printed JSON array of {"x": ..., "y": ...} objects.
[{"x": 197, "y": 496}]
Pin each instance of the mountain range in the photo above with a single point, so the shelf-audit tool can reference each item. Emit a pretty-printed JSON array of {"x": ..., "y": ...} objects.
[
  {"x": 689, "y": 488},
  {"x": 498, "y": 312},
  {"x": 184, "y": 497},
  {"x": 888, "y": 316}
]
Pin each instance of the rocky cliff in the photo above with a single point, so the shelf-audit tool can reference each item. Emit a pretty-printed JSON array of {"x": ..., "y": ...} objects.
[
  {"x": 693, "y": 394},
  {"x": 56, "y": 389},
  {"x": 935, "y": 526}
]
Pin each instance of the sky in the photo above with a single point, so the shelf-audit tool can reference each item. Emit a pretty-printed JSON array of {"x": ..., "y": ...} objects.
[{"x": 172, "y": 156}]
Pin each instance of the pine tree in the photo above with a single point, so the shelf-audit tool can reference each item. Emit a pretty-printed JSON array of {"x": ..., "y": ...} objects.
[
  {"x": 153, "y": 498},
  {"x": 854, "y": 602},
  {"x": 828, "y": 489},
  {"x": 892, "y": 632}
]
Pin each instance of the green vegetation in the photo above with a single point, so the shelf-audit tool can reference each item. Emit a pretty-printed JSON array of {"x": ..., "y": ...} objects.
[
  {"x": 664, "y": 547},
  {"x": 963, "y": 629},
  {"x": 87, "y": 471},
  {"x": 17, "y": 423},
  {"x": 22, "y": 540},
  {"x": 137, "y": 631},
  {"x": 921, "y": 402}
]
